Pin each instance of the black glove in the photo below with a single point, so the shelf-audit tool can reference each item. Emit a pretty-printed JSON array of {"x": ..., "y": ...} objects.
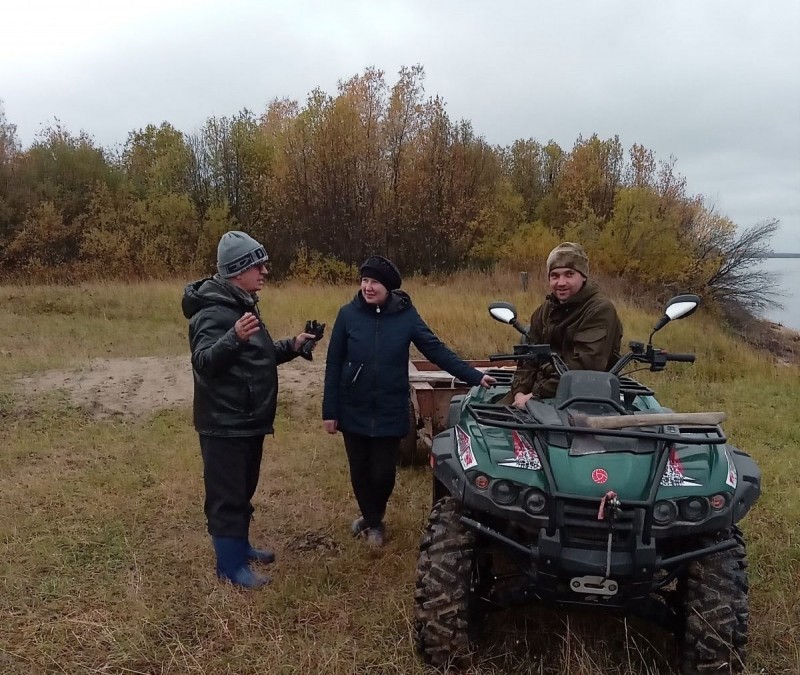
[{"x": 317, "y": 330}]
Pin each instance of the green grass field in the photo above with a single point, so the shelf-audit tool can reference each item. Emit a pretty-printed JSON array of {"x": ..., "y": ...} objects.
[{"x": 106, "y": 566}]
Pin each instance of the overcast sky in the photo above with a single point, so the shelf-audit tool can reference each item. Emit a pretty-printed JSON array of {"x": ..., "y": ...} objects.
[{"x": 714, "y": 83}]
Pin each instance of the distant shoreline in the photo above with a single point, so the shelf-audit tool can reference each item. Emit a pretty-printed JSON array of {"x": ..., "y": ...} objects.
[{"x": 780, "y": 255}]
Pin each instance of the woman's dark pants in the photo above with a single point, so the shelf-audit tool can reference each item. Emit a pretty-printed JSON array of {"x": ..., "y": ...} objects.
[{"x": 373, "y": 464}]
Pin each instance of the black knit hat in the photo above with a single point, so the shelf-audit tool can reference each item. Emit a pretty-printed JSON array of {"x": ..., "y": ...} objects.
[{"x": 382, "y": 270}]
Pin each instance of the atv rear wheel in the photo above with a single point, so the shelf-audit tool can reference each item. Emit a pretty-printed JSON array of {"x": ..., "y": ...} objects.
[
  {"x": 445, "y": 598},
  {"x": 715, "y": 610}
]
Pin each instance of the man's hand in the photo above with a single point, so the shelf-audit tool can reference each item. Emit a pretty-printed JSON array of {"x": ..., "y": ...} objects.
[
  {"x": 330, "y": 425},
  {"x": 301, "y": 339},
  {"x": 488, "y": 381},
  {"x": 521, "y": 399},
  {"x": 247, "y": 326},
  {"x": 316, "y": 330}
]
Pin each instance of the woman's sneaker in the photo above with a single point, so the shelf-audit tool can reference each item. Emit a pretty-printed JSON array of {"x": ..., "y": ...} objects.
[
  {"x": 375, "y": 536},
  {"x": 358, "y": 527}
]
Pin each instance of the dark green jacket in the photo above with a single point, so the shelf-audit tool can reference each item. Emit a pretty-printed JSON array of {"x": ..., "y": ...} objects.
[
  {"x": 584, "y": 330},
  {"x": 235, "y": 382}
]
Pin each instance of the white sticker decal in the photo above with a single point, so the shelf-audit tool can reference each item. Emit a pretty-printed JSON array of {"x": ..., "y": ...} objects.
[
  {"x": 465, "y": 455},
  {"x": 732, "y": 478},
  {"x": 673, "y": 473},
  {"x": 525, "y": 455}
]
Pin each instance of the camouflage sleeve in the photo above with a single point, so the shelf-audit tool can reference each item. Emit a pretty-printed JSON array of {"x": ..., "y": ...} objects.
[
  {"x": 523, "y": 379},
  {"x": 548, "y": 383}
]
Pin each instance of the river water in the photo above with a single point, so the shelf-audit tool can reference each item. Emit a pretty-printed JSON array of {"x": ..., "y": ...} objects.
[{"x": 788, "y": 281}]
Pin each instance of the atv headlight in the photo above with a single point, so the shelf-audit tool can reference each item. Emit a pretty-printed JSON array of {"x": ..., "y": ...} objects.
[
  {"x": 481, "y": 481},
  {"x": 504, "y": 492},
  {"x": 694, "y": 509},
  {"x": 664, "y": 512},
  {"x": 535, "y": 501},
  {"x": 719, "y": 501}
]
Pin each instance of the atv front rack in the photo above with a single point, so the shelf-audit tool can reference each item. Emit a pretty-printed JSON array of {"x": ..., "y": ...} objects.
[{"x": 511, "y": 417}]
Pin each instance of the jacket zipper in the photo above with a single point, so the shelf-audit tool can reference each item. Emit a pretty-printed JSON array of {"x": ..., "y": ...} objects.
[{"x": 375, "y": 366}]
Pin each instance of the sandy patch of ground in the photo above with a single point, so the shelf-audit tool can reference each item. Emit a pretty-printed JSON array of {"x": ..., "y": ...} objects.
[{"x": 137, "y": 386}]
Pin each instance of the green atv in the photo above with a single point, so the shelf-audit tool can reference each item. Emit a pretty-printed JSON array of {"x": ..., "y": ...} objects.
[{"x": 599, "y": 497}]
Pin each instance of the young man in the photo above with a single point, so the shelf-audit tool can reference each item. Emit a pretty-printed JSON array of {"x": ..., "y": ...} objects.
[
  {"x": 234, "y": 363},
  {"x": 576, "y": 320}
]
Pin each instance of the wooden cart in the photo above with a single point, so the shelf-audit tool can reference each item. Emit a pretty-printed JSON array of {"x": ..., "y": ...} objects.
[{"x": 430, "y": 392}]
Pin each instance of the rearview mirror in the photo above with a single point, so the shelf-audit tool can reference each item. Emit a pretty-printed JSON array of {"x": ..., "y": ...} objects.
[
  {"x": 679, "y": 307},
  {"x": 504, "y": 312}
]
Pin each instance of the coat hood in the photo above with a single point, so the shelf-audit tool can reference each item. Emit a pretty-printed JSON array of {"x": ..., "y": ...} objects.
[{"x": 214, "y": 291}]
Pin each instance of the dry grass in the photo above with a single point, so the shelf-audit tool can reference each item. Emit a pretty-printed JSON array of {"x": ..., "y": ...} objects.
[{"x": 106, "y": 568}]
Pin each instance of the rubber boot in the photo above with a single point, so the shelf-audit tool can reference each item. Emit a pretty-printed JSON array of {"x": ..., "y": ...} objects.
[
  {"x": 259, "y": 555},
  {"x": 232, "y": 563}
]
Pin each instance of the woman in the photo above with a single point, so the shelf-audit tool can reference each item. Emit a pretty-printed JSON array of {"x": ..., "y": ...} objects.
[{"x": 366, "y": 384}]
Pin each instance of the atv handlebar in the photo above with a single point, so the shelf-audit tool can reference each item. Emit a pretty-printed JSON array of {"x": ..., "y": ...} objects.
[
  {"x": 684, "y": 358},
  {"x": 640, "y": 353},
  {"x": 656, "y": 358}
]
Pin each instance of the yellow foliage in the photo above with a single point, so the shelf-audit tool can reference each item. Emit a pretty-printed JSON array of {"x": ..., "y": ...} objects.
[
  {"x": 45, "y": 244},
  {"x": 529, "y": 246},
  {"x": 640, "y": 243},
  {"x": 314, "y": 267}
]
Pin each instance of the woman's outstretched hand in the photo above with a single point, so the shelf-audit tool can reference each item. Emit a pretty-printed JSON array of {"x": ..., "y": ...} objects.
[{"x": 488, "y": 381}]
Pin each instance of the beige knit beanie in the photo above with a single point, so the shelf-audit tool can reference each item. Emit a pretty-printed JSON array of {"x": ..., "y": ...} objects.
[{"x": 571, "y": 255}]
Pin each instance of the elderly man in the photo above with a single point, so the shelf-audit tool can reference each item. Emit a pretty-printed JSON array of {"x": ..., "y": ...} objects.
[
  {"x": 576, "y": 320},
  {"x": 234, "y": 363}
]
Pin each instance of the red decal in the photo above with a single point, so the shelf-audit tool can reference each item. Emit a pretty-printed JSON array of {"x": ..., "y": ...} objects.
[{"x": 599, "y": 476}]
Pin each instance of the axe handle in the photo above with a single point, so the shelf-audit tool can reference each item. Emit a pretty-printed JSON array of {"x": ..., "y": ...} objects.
[{"x": 648, "y": 420}]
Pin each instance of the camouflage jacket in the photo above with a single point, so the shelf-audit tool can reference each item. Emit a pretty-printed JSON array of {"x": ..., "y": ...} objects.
[{"x": 584, "y": 330}]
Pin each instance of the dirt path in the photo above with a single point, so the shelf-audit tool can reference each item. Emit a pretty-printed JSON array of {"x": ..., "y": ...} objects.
[{"x": 137, "y": 386}]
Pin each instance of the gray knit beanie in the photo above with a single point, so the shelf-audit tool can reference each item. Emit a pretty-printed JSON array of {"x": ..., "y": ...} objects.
[
  {"x": 568, "y": 254},
  {"x": 238, "y": 252}
]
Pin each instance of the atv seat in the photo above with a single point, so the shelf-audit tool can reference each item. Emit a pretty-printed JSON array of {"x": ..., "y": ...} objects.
[{"x": 589, "y": 391}]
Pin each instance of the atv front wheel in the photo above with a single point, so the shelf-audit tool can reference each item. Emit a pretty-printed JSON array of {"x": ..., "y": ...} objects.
[
  {"x": 444, "y": 599},
  {"x": 715, "y": 610}
]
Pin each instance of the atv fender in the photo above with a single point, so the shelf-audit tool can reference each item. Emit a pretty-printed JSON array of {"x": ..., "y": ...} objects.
[
  {"x": 447, "y": 469},
  {"x": 454, "y": 413},
  {"x": 748, "y": 488}
]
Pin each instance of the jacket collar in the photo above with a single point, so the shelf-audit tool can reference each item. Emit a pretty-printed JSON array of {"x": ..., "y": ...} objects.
[
  {"x": 240, "y": 294},
  {"x": 589, "y": 289},
  {"x": 396, "y": 302}
]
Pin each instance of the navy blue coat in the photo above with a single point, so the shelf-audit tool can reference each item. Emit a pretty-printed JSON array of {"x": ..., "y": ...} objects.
[{"x": 366, "y": 375}]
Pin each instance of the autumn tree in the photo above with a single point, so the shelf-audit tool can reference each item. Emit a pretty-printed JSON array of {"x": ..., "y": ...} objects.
[
  {"x": 640, "y": 242},
  {"x": 9, "y": 151},
  {"x": 156, "y": 161},
  {"x": 728, "y": 261},
  {"x": 62, "y": 168},
  {"x": 589, "y": 179}
]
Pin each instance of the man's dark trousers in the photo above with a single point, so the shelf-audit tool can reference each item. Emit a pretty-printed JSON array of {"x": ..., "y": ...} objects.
[{"x": 231, "y": 467}]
